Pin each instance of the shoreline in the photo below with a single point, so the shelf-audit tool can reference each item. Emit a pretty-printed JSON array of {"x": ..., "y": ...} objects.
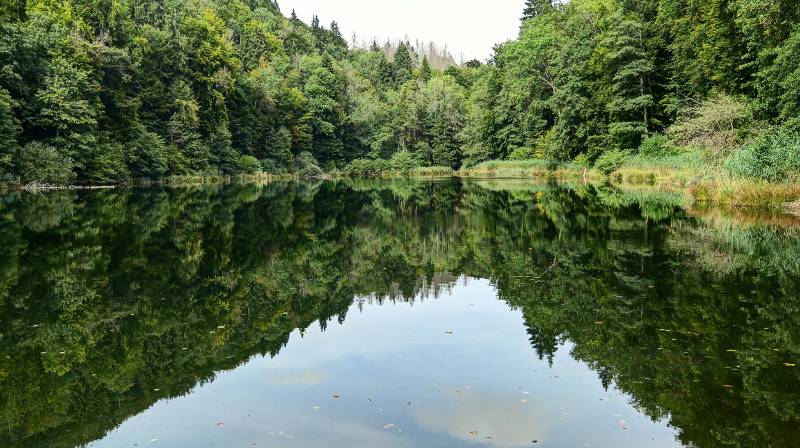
[{"x": 718, "y": 190}]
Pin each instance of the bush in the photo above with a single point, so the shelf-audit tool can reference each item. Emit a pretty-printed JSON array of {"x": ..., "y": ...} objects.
[
  {"x": 41, "y": 163},
  {"x": 249, "y": 165},
  {"x": 718, "y": 123},
  {"x": 366, "y": 168},
  {"x": 403, "y": 162},
  {"x": 656, "y": 146},
  {"x": 272, "y": 166},
  {"x": 106, "y": 163},
  {"x": 611, "y": 161},
  {"x": 307, "y": 167},
  {"x": 522, "y": 153},
  {"x": 773, "y": 156},
  {"x": 147, "y": 155}
]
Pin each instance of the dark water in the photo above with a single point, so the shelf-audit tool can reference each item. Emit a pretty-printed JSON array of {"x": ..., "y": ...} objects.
[{"x": 402, "y": 314}]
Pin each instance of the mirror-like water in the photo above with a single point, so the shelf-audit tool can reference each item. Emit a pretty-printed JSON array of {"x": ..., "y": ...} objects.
[{"x": 395, "y": 314}]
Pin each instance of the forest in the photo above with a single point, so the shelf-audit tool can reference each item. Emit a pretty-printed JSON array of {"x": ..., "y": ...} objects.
[{"x": 112, "y": 91}]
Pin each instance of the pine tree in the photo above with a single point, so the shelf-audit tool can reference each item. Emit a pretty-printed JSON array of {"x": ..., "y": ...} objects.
[
  {"x": 534, "y": 8},
  {"x": 403, "y": 64},
  {"x": 629, "y": 69},
  {"x": 425, "y": 70}
]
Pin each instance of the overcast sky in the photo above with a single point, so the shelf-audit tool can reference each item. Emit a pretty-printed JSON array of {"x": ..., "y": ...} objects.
[{"x": 471, "y": 27}]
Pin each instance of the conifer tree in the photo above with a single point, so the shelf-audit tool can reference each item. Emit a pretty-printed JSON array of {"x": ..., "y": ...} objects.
[
  {"x": 425, "y": 70},
  {"x": 403, "y": 64},
  {"x": 535, "y": 8}
]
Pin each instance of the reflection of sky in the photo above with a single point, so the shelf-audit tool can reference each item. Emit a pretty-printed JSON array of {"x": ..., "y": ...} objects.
[{"x": 482, "y": 385}]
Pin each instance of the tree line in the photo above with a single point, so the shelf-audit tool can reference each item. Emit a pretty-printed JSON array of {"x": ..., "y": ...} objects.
[{"x": 106, "y": 91}]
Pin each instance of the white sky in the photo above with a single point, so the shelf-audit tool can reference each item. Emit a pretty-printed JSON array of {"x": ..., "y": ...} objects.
[{"x": 471, "y": 27}]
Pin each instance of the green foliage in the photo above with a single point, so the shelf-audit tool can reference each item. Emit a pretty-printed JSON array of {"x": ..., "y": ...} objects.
[
  {"x": 522, "y": 153},
  {"x": 307, "y": 167},
  {"x": 39, "y": 163},
  {"x": 656, "y": 146},
  {"x": 128, "y": 90},
  {"x": 403, "y": 64},
  {"x": 717, "y": 123},
  {"x": 367, "y": 168},
  {"x": 9, "y": 130},
  {"x": 148, "y": 156},
  {"x": 249, "y": 165},
  {"x": 611, "y": 161},
  {"x": 403, "y": 162},
  {"x": 773, "y": 156}
]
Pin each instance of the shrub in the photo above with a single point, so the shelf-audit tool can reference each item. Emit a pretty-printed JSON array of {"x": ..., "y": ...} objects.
[
  {"x": 582, "y": 160},
  {"x": 611, "y": 161},
  {"x": 774, "y": 156},
  {"x": 307, "y": 167},
  {"x": 718, "y": 123},
  {"x": 656, "y": 146},
  {"x": 403, "y": 161},
  {"x": 522, "y": 153},
  {"x": 41, "y": 163},
  {"x": 147, "y": 155},
  {"x": 366, "y": 168},
  {"x": 249, "y": 165},
  {"x": 272, "y": 166},
  {"x": 105, "y": 163}
]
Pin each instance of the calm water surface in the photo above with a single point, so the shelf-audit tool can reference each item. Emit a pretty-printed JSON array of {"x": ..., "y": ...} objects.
[{"x": 396, "y": 314}]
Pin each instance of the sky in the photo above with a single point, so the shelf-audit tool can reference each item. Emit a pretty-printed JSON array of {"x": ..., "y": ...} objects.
[{"x": 471, "y": 27}]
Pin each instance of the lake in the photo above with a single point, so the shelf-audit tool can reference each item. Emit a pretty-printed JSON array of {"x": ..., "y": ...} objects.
[{"x": 449, "y": 313}]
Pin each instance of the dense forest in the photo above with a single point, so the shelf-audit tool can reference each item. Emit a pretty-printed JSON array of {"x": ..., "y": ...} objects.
[
  {"x": 107, "y": 91},
  {"x": 113, "y": 300}
]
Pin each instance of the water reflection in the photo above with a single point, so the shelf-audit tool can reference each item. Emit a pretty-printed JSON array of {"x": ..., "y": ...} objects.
[{"x": 112, "y": 301}]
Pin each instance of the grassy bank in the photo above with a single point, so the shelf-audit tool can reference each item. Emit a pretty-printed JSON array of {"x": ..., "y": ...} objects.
[
  {"x": 705, "y": 181},
  {"x": 528, "y": 169},
  {"x": 690, "y": 174}
]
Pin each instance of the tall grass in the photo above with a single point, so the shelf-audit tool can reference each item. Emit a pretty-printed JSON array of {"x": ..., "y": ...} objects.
[{"x": 523, "y": 168}]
